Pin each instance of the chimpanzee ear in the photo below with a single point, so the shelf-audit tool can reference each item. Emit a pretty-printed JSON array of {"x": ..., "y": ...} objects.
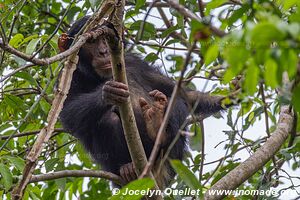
[{"x": 63, "y": 42}]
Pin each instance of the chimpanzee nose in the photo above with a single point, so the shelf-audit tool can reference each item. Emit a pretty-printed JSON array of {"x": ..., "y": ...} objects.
[{"x": 103, "y": 50}]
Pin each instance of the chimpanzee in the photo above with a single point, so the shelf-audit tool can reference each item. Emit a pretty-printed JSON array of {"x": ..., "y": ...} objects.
[{"x": 91, "y": 113}]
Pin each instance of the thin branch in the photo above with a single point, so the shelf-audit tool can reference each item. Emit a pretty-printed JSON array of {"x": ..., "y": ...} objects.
[
  {"x": 267, "y": 175},
  {"x": 47, "y": 61},
  {"x": 202, "y": 150},
  {"x": 158, "y": 4},
  {"x": 4, "y": 137},
  {"x": 201, "y": 8},
  {"x": 15, "y": 71},
  {"x": 77, "y": 173},
  {"x": 185, "y": 12}
]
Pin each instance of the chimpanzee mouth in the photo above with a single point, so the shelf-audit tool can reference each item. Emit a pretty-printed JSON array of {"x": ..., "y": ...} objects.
[{"x": 106, "y": 66}]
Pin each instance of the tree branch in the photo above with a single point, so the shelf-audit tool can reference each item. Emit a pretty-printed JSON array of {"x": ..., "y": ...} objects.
[
  {"x": 47, "y": 61},
  {"x": 185, "y": 12},
  {"x": 246, "y": 169},
  {"x": 77, "y": 173},
  {"x": 132, "y": 136}
]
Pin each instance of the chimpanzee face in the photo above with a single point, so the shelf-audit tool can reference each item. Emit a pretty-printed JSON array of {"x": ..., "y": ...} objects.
[{"x": 97, "y": 53}]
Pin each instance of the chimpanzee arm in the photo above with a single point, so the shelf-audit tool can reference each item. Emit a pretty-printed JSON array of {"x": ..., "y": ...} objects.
[
  {"x": 206, "y": 104},
  {"x": 81, "y": 111}
]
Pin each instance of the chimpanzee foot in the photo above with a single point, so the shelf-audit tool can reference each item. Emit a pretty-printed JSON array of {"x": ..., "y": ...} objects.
[
  {"x": 154, "y": 114},
  {"x": 127, "y": 172},
  {"x": 115, "y": 92}
]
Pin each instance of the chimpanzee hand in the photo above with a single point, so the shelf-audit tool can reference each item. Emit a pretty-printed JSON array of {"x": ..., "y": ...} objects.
[
  {"x": 154, "y": 114},
  {"x": 127, "y": 172},
  {"x": 115, "y": 93}
]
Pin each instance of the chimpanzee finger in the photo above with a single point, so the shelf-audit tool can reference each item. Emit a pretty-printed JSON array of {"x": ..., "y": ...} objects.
[
  {"x": 122, "y": 174},
  {"x": 144, "y": 104},
  {"x": 112, "y": 98},
  {"x": 116, "y": 91},
  {"x": 158, "y": 96},
  {"x": 133, "y": 175},
  {"x": 117, "y": 84},
  {"x": 127, "y": 173},
  {"x": 153, "y": 92}
]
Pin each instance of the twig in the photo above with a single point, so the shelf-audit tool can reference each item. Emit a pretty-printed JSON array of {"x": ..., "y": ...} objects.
[
  {"x": 202, "y": 150},
  {"x": 182, "y": 10},
  {"x": 77, "y": 173},
  {"x": 267, "y": 175},
  {"x": 46, "y": 61},
  {"x": 4, "y": 137},
  {"x": 15, "y": 71},
  {"x": 201, "y": 8}
]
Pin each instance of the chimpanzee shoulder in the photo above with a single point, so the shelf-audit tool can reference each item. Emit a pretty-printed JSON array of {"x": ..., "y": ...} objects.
[{"x": 148, "y": 75}]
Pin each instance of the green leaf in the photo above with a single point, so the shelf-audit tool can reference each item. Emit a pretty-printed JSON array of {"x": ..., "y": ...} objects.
[
  {"x": 14, "y": 102},
  {"x": 29, "y": 38},
  {"x": 271, "y": 73},
  {"x": 237, "y": 14},
  {"x": 213, "y": 4},
  {"x": 211, "y": 54},
  {"x": 292, "y": 63},
  {"x": 50, "y": 164},
  {"x": 16, "y": 40},
  {"x": 136, "y": 186},
  {"x": 186, "y": 175},
  {"x": 179, "y": 62},
  {"x": 169, "y": 31},
  {"x": 26, "y": 76},
  {"x": 139, "y": 4},
  {"x": 236, "y": 56},
  {"x": 151, "y": 57},
  {"x": 265, "y": 33},
  {"x": 95, "y": 3},
  {"x": 32, "y": 46},
  {"x": 16, "y": 161},
  {"x": 294, "y": 30},
  {"x": 195, "y": 141},
  {"x": 252, "y": 77},
  {"x": 7, "y": 178},
  {"x": 141, "y": 49},
  {"x": 296, "y": 97},
  {"x": 149, "y": 29},
  {"x": 45, "y": 106},
  {"x": 287, "y": 4}
]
